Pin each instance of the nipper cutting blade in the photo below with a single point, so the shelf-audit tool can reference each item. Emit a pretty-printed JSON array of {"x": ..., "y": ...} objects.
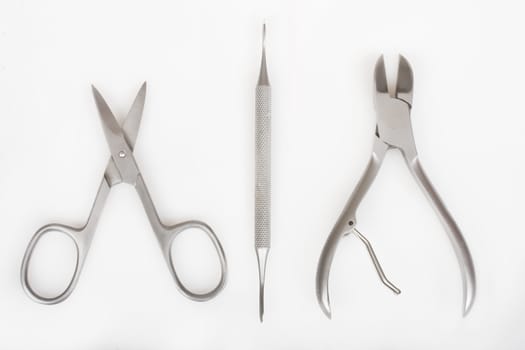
[
  {"x": 404, "y": 84},
  {"x": 405, "y": 81},
  {"x": 380, "y": 80}
]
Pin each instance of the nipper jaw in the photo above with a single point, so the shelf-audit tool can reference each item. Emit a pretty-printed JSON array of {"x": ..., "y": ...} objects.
[
  {"x": 394, "y": 127},
  {"x": 393, "y": 130}
]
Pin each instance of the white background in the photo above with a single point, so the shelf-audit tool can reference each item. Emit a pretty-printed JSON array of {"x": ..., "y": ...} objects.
[{"x": 195, "y": 150}]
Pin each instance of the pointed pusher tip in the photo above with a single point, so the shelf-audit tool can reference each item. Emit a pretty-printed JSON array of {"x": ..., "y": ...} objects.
[
  {"x": 261, "y": 302},
  {"x": 263, "y": 73},
  {"x": 262, "y": 258},
  {"x": 264, "y": 35}
]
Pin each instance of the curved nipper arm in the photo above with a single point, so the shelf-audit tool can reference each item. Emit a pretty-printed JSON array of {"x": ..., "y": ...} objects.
[
  {"x": 346, "y": 224},
  {"x": 464, "y": 258}
]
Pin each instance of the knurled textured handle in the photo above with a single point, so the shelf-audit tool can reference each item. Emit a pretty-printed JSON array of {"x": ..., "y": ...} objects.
[{"x": 262, "y": 166}]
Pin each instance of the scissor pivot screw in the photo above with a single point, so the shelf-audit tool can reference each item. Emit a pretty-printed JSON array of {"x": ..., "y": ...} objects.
[{"x": 122, "y": 154}]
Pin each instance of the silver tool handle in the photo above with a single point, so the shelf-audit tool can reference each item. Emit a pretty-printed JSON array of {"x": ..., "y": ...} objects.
[
  {"x": 166, "y": 236},
  {"x": 456, "y": 238},
  {"x": 262, "y": 166},
  {"x": 345, "y": 225},
  {"x": 81, "y": 237}
]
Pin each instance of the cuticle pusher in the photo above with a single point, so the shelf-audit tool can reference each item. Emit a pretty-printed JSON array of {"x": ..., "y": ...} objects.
[{"x": 262, "y": 172}]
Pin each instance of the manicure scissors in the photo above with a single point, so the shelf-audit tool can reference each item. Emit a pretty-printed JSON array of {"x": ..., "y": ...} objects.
[
  {"x": 393, "y": 131},
  {"x": 122, "y": 168}
]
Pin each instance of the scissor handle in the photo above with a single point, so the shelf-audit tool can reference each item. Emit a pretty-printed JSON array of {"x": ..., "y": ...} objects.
[
  {"x": 166, "y": 239},
  {"x": 81, "y": 238}
]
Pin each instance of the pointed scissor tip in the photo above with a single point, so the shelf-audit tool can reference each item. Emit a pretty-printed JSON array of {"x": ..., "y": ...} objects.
[
  {"x": 96, "y": 94},
  {"x": 143, "y": 88}
]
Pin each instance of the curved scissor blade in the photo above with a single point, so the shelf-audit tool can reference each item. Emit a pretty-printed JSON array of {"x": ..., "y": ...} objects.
[
  {"x": 112, "y": 129},
  {"x": 121, "y": 152},
  {"x": 131, "y": 124}
]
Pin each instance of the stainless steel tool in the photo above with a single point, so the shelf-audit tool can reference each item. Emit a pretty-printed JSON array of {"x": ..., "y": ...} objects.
[
  {"x": 122, "y": 168},
  {"x": 393, "y": 131},
  {"x": 262, "y": 172}
]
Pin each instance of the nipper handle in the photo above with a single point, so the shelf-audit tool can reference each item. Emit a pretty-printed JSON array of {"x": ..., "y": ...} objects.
[
  {"x": 456, "y": 238},
  {"x": 346, "y": 224}
]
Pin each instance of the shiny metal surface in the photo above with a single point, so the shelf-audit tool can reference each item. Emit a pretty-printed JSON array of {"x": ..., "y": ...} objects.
[
  {"x": 122, "y": 168},
  {"x": 377, "y": 265},
  {"x": 262, "y": 172},
  {"x": 393, "y": 131}
]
